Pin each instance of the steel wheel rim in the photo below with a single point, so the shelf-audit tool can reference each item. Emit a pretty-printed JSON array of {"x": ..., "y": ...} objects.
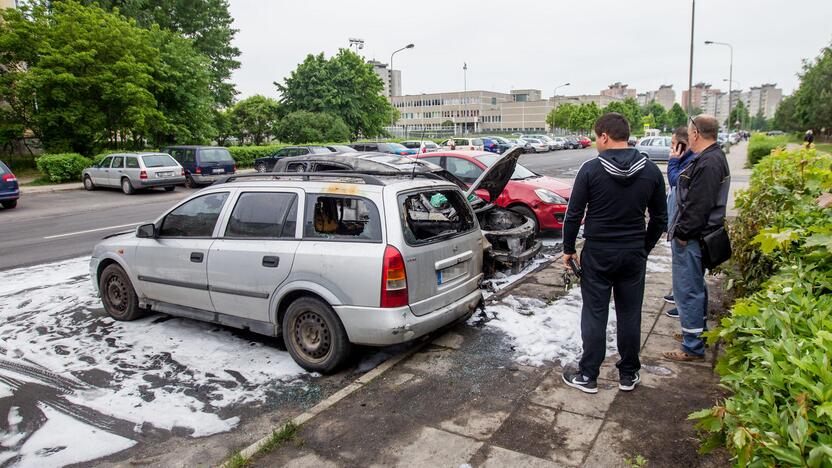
[
  {"x": 87, "y": 182},
  {"x": 116, "y": 293},
  {"x": 311, "y": 336},
  {"x": 125, "y": 186}
]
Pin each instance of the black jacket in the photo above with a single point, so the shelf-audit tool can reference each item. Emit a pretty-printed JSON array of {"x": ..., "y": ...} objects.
[
  {"x": 614, "y": 190},
  {"x": 702, "y": 195}
]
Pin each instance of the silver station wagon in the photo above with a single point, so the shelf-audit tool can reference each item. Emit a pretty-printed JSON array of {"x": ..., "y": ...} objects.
[
  {"x": 135, "y": 171},
  {"x": 325, "y": 260}
]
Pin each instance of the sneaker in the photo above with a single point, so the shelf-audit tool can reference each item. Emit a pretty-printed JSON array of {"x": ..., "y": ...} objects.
[
  {"x": 628, "y": 382},
  {"x": 579, "y": 381},
  {"x": 672, "y": 313},
  {"x": 669, "y": 299}
]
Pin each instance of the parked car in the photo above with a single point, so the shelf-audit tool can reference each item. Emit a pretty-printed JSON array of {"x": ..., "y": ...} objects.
[
  {"x": 632, "y": 141},
  {"x": 553, "y": 145},
  {"x": 341, "y": 148},
  {"x": 527, "y": 147},
  {"x": 429, "y": 146},
  {"x": 541, "y": 198},
  {"x": 327, "y": 261},
  {"x": 462, "y": 143},
  {"x": 503, "y": 144},
  {"x": 734, "y": 138},
  {"x": 572, "y": 143},
  {"x": 390, "y": 148},
  {"x": 584, "y": 141},
  {"x": 135, "y": 171},
  {"x": 203, "y": 164},
  {"x": 505, "y": 230},
  {"x": 491, "y": 145},
  {"x": 9, "y": 188},
  {"x": 656, "y": 148},
  {"x": 537, "y": 146},
  {"x": 266, "y": 163},
  {"x": 775, "y": 133}
]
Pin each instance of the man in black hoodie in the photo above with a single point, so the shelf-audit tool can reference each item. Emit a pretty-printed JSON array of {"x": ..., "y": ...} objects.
[{"x": 613, "y": 190}]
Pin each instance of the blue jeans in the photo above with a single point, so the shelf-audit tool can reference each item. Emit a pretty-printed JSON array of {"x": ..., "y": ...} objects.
[
  {"x": 671, "y": 206},
  {"x": 690, "y": 294}
]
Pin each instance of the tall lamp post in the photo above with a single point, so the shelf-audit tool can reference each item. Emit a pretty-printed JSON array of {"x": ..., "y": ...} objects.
[
  {"x": 390, "y": 84},
  {"x": 690, "y": 69},
  {"x": 730, "y": 74},
  {"x": 357, "y": 43},
  {"x": 739, "y": 89},
  {"x": 554, "y": 95}
]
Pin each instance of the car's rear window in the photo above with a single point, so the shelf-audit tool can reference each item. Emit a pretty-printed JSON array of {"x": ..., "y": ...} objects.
[
  {"x": 431, "y": 215},
  {"x": 158, "y": 160},
  {"x": 220, "y": 155},
  {"x": 342, "y": 218}
]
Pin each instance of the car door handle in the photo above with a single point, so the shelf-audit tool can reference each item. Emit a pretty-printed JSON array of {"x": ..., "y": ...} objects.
[
  {"x": 270, "y": 261},
  {"x": 197, "y": 257}
]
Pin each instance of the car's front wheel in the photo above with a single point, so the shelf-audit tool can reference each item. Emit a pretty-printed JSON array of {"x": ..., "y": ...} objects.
[
  {"x": 315, "y": 336},
  {"x": 117, "y": 294},
  {"x": 127, "y": 187},
  {"x": 88, "y": 185},
  {"x": 260, "y": 167}
]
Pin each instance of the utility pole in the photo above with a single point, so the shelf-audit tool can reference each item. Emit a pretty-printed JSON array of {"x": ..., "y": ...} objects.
[
  {"x": 464, "y": 88},
  {"x": 690, "y": 69},
  {"x": 730, "y": 74}
]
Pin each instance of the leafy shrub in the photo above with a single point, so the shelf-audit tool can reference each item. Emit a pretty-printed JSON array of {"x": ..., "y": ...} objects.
[
  {"x": 63, "y": 167},
  {"x": 760, "y": 146},
  {"x": 303, "y": 127},
  {"x": 778, "y": 340},
  {"x": 244, "y": 156}
]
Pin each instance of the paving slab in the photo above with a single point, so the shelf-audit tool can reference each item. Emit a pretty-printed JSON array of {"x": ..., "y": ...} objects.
[{"x": 554, "y": 393}]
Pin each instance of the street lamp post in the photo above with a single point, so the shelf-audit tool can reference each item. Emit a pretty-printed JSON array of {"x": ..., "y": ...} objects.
[
  {"x": 358, "y": 43},
  {"x": 730, "y": 74},
  {"x": 690, "y": 69},
  {"x": 739, "y": 89},
  {"x": 390, "y": 83},
  {"x": 555, "y": 92},
  {"x": 555, "y": 95}
]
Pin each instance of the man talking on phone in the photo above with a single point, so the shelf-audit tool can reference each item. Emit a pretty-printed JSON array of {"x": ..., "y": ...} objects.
[{"x": 611, "y": 193}]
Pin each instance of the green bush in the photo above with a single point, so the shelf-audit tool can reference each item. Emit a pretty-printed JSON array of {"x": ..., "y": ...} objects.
[
  {"x": 244, "y": 156},
  {"x": 303, "y": 127},
  {"x": 64, "y": 167},
  {"x": 760, "y": 146},
  {"x": 777, "y": 342}
]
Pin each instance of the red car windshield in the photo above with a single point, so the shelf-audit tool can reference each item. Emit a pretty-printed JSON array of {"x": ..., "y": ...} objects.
[{"x": 520, "y": 172}]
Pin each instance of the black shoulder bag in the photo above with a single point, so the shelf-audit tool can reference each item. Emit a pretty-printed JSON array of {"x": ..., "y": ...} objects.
[{"x": 716, "y": 248}]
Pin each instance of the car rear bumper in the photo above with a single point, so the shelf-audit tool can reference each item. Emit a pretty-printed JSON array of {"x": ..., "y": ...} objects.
[
  {"x": 208, "y": 179},
  {"x": 382, "y": 327},
  {"x": 10, "y": 195},
  {"x": 166, "y": 182}
]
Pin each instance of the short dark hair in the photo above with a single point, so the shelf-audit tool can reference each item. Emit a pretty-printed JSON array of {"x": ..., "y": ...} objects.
[
  {"x": 707, "y": 126},
  {"x": 614, "y": 125},
  {"x": 681, "y": 134}
]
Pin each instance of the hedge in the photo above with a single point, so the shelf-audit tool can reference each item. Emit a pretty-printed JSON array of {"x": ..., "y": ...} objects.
[
  {"x": 777, "y": 342},
  {"x": 63, "y": 167},
  {"x": 760, "y": 146}
]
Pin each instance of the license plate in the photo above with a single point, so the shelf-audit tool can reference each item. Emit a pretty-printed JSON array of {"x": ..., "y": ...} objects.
[
  {"x": 219, "y": 171},
  {"x": 164, "y": 174},
  {"x": 451, "y": 273}
]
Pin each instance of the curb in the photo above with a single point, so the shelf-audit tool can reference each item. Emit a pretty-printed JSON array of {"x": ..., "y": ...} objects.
[{"x": 24, "y": 190}]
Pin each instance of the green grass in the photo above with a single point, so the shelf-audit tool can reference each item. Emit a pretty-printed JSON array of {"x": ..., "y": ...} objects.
[
  {"x": 237, "y": 461},
  {"x": 285, "y": 434},
  {"x": 42, "y": 180},
  {"x": 827, "y": 147}
]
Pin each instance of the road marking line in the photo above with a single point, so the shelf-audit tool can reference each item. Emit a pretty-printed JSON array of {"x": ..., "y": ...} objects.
[{"x": 91, "y": 230}]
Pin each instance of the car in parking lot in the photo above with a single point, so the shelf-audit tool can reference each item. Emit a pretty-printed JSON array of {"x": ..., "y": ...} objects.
[
  {"x": 537, "y": 146},
  {"x": 390, "y": 148},
  {"x": 462, "y": 143},
  {"x": 9, "y": 187},
  {"x": 525, "y": 145},
  {"x": 203, "y": 164},
  {"x": 266, "y": 163},
  {"x": 584, "y": 141},
  {"x": 135, "y": 171},
  {"x": 657, "y": 148},
  {"x": 425, "y": 146},
  {"x": 540, "y": 198},
  {"x": 572, "y": 143},
  {"x": 327, "y": 260},
  {"x": 503, "y": 144}
]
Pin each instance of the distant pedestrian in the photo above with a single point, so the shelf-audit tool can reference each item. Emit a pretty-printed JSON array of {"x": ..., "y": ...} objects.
[
  {"x": 809, "y": 138},
  {"x": 612, "y": 193},
  {"x": 701, "y": 199},
  {"x": 680, "y": 157}
]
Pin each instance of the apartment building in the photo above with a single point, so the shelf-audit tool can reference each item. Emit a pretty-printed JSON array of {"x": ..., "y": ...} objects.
[
  {"x": 765, "y": 98},
  {"x": 665, "y": 96},
  {"x": 392, "y": 79},
  {"x": 619, "y": 91}
]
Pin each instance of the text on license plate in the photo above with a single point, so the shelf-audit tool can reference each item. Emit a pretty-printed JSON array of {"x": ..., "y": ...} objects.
[
  {"x": 164, "y": 174},
  {"x": 451, "y": 273},
  {"x": 219, "y": 171}
]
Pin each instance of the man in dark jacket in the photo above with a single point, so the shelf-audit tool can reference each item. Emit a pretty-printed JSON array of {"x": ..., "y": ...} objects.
[
  {"x": 701, "y": 199},
  {"x": 680, "y": 157},
  {"x": 614, "y": 190}
]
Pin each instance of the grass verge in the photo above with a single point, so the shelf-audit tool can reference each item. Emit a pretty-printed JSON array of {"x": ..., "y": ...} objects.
[{"x": 286, "y": 433}]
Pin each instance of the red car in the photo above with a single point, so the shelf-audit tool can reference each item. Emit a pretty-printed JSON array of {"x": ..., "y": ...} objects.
[
  {"x": 541, "y": 198},
  {"x": 584, "y": 141}
]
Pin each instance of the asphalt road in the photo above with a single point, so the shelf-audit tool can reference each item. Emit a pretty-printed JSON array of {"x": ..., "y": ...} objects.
[{"x": 55, "y": 226}]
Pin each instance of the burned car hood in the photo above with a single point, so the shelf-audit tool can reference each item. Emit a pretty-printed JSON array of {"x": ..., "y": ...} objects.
[{"x": 495, "y": 178}]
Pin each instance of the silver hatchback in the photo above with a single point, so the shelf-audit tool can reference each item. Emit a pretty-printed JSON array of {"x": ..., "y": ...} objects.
[
  {"x": 135, "y": 171},
  {"x": 325, "y": 260}
]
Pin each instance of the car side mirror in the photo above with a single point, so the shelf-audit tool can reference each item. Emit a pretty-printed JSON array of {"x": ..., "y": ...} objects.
[{"x": 146, "y": 231}]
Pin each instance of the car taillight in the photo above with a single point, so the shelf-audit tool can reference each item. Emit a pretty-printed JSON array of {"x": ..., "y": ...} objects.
[
  {"x": 9, "y": 178},
  {"x": 198, "y": 170},
  {"x": 393, "y": 279},
  {"x": 183, "y": 172},
  {"x": 403, "y": 153},
  {"x": 143, "y": 175}
]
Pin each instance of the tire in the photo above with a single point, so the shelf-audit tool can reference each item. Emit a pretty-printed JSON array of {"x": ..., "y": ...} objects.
[
  {"x": 260, "y": 167},
  {"x": 189, "y": 182},
  {"x": 315, "y": 336},
  {"x": 527, "y": 212},
  {"x": 9, "y": 204},
  {"x": 117, "y": 294},
  {"x": 127, "y": 187},
  {"x": 88, "y": 185},
  {"x": 170, "y": 189}
]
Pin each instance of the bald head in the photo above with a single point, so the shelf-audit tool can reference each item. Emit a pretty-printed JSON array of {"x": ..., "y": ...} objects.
[{"x": 702, "y": 132}]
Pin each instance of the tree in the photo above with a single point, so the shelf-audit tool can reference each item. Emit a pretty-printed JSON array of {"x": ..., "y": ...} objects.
[
  {"x": 738, "y": 114},
  {"x": 785, "y": 118},
  {"x": 223, "y": 125},
  {"x": 343, "y": 85},
  {"x": 255, "y": 118},
  {"x": 759, "y": 122},
  {"x": 676, "y": 117},
  {"x": 559, "y": 116},
  {"x": 206, "y": 22},
  {"x": 584, "y": 117},
  {"x": 658, "y": 112},
  {"x": 813, "y": 99},
  {"x": 629, "y": 108},
  {"x": 307, "y": 127}
]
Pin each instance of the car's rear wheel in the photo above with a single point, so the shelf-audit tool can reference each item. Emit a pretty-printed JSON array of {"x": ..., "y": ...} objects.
[
  {"x": 88, "y": 185},
  {"x": 314, "y": 335},
  {"x": 117, "y": 294},
  {"x": 189, "y": 182},
  {"x": 527, "y": 212},
  {"x": 127, "y": 187},
  {"x": 9, "y": 204},
  {"x": 260, "y": 167},
  {"x": 170, "y": 189}
]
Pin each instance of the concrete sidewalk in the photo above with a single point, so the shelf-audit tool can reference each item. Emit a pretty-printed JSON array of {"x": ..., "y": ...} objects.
[
  {"x": 740, "y": 176},
  {"x": 464, "y": 399}
]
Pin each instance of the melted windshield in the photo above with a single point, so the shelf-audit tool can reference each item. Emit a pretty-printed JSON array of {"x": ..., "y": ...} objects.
[{"x": 520, "y": 172}]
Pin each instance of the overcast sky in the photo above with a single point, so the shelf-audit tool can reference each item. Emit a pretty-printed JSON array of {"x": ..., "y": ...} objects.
[{"x": 540, "y": 44}]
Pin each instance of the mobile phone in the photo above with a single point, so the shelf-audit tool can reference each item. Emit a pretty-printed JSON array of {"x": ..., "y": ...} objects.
[
  {"x": 574, "y": 266},
  {"x": 681, "y": 147}
]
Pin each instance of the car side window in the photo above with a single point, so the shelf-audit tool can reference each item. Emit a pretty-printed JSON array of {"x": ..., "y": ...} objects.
[
  {"x": 463, "y": 169},
  {"x": 303, "y": 151},
  {"x": 436, "y": 160},
  {"x": 106, "y": 162},
  {"x": 118, "y": 162},
  {"x": 132, "y": 163},
  {"x": 645, "y": 142},
  {"x": 189, "y": 156},
  {"x": 658, "y": 142},
  {"x": 195, "y": 218},
  {"x": 341, "y": 218},
  {"x": 264, "y": 215},
  {"x": 476, "y": 142}
]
